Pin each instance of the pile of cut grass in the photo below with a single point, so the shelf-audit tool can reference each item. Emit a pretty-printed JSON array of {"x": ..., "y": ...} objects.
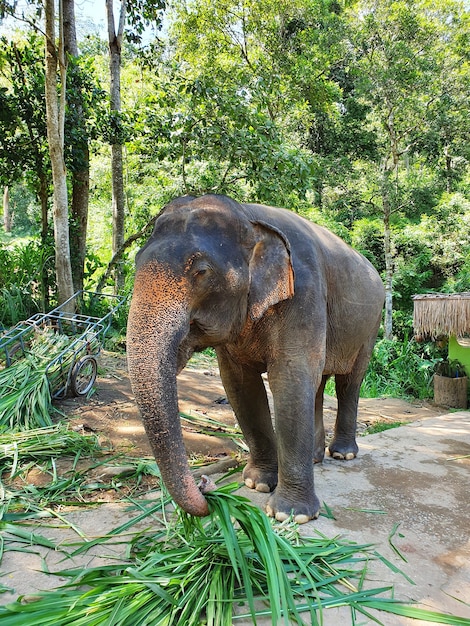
[
  {"x": 38, "y": 450},
  {"x": 43, "y": 443},
  {"x": 235, "y": 564},
  {"x": 26, "y": 400},
  {"x": 55, "y": 486}
]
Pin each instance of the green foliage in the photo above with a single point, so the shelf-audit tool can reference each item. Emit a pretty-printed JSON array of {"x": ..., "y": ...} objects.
[
  {"x": 86, "y": 113},
  {"x": 451, "y": 368},
  {"x": 380, "y": 427},
  {"x": 25, "y": 272},
  {"x": 401, "y": 369},
  {"x": 413, "y": 255},
  {"x": 16, "y": 304},
  {"x": 116, "y": 127},
  {"x": 367, "y": 237},
  {"x": 223, "y": 139},
  {"x": 24, "y": 209},
  {"x": 23, "y": 123}
]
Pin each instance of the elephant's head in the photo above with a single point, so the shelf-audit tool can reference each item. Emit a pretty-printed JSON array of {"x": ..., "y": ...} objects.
[{"x": 206, "y": 271}]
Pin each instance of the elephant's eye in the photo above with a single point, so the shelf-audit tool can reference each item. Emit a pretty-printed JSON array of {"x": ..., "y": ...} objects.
[
  {"x": 200, "y": 271},
  {"x": 199, "y": 268}
]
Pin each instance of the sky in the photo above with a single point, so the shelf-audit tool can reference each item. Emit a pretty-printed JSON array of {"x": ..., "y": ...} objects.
[
  {"x": 94, "y": 13},
  {"x": 90, "y": 17},
  {"x": 89, "y": 14}
]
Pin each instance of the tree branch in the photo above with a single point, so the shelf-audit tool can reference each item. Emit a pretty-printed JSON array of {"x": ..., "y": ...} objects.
[{"x": 120, "y": 251}]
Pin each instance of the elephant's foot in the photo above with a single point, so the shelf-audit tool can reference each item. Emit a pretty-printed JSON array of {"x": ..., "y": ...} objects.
[
  {"x": 343, "y": 450},
  {"x": 282, "y": 507},
  {"x": 261, "y": 479},
  {"x": 319, "y": 454}
]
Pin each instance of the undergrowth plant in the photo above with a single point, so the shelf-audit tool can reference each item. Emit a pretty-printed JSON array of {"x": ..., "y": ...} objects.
[
  {"x": 26, "y": 275},
  {"x": 398, "y": 369}
]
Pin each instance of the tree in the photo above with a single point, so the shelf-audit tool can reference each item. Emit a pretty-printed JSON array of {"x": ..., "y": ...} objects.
[
  {"x": 140, "y": 13},
  {"x": 55, "y": 113},
  {"x": 118, "y": 197},
  {"x": 401, "y": 54},
  {"x": 80, "y": 162},
  {"x": 24, "y": 150},
  {"x": 6, "y": 211}
]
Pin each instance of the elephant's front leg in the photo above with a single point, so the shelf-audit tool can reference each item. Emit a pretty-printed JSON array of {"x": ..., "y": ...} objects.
[
  {"x": 294, "y": 403},
  {"x": 247, "y": 396}
]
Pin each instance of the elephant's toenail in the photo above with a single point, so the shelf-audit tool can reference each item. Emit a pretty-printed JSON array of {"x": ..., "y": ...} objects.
[
  {"x": 281, "y": 517},
  {"x": 269, "y": 511},
  {"x": 249, "y": 483},
  {"x": 350, "y": 456},
  {"x": 263, "y": 487},
  {"x": 301, "y": 519},
  {"x": 338, "y": 456}
]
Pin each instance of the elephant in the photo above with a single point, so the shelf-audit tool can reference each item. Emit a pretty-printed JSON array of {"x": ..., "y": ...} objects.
[{"x": 272, "y": 293}]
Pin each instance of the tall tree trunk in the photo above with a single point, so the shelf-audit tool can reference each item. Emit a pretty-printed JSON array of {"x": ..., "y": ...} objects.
[
  {"x": 118, "y": 199},
  {"x": 55, "y": 112},
  {"x": 448, "y": 159},
  {"x": 80, "y": 175},
  {"x": 389, "y": 167},
  {"x": 6, "y": 211},
  {"x": 388, "y": 319}
]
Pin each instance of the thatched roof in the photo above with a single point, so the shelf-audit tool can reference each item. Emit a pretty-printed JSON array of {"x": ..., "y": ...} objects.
[{"x": 436, "y": 315}]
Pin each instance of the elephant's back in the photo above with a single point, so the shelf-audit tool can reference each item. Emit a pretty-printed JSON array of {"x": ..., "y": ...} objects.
[
  {"x": 310, "y": 242},
  {"x": 323, "y": 262}
]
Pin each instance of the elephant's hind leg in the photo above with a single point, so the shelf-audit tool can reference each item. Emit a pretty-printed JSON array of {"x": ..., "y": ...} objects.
[
  {"x": 319, "y": 449},
  {"x": 348, "y": 386},
  {"x": 247, "y": 395},
  {"x": 344, "y": 446}
]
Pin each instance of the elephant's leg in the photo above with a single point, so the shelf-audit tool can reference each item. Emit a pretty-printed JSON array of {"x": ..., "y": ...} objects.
[
  {"x": 344, "y": 446},
  {"x": 294, "y": 403},
  {"x": 247, "y": 395},
  {"x": 348, "y": 386},
  {"x": 319, "y": 450}
]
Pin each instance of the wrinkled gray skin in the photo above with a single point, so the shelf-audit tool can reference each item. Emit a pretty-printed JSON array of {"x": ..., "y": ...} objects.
[{"x": 271, "y": 292}]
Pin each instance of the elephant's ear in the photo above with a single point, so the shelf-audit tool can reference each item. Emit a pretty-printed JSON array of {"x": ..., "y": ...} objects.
[{"x": 271, "y": 271}]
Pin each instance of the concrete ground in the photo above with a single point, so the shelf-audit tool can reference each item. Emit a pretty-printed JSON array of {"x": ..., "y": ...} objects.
[{"x": 417, "y": 476}]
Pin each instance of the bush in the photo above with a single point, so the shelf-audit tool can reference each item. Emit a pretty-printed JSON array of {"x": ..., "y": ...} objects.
[
  {"x": 400, "y": 369},
  {"x": 26, "y": 271}
]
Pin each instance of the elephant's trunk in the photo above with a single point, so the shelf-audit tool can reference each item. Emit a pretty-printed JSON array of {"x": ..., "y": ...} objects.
[{"x": 158, "y": 321}]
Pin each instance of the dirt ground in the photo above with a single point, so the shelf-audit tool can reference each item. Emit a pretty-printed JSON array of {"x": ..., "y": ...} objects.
[{"x": 111, "y": 411}]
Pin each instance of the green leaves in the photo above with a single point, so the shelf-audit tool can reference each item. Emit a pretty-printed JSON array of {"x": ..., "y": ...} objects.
[
  {"x": 399, "y": 369},
  {"x": 194, "y": 572},
  {"x": 27, "y": 384}
]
